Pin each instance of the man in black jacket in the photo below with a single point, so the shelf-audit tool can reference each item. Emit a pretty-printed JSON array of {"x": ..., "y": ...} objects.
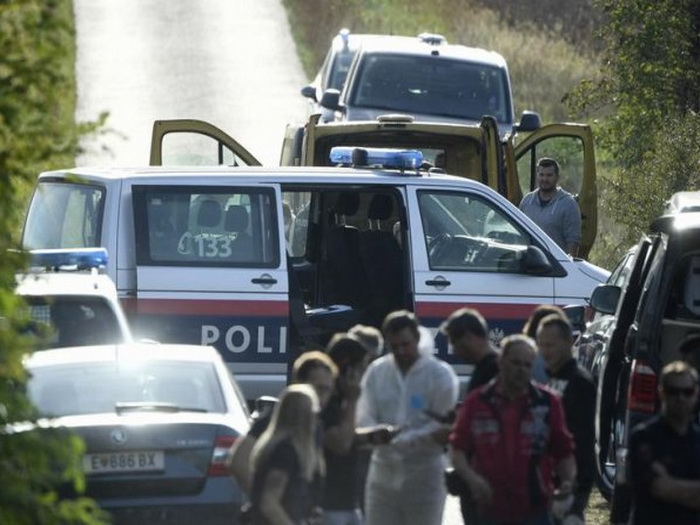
[
  {"x": 575, "y": 385},
  {"x": 468, "y": 334}
]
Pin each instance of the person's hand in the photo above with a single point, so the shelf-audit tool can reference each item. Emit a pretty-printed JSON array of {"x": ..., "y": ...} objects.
[
  {"x": 441, "y": 435},
  {"x": 573, "y": 519},
  {"x": 382, "y": 434},
  {"x": 480, "y": 490},
  {"x": 350, "y": 383},
  {"x": 350, "y": 391},
  {"x": 315, "y": 517},
  {"x": 562, "y": 505},
  {"x": 563, "y": 500},
  {"x": 661, "y": 485}
]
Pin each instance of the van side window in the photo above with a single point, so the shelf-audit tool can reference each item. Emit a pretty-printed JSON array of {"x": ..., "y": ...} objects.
[
  {"x": 466, "y": 232},
  {"x": 295, "y": 209},
  {"x": 64, "y": 215},
  {"x": 205, "y": 226}
]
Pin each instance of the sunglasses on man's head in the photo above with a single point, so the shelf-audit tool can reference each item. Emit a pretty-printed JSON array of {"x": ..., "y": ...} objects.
[{"x": 679, "y": 391}]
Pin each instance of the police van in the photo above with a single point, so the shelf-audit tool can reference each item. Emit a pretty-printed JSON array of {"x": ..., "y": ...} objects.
[{"x": 263, "y": 263}]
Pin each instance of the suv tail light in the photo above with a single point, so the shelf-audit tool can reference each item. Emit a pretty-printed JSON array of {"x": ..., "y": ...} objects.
[
  {"x": 641, "y": 395},
  {"x": 218, "y": 466}
]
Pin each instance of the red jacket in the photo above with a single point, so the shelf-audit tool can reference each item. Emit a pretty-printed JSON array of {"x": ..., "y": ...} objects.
[{"x": 513, "y": 444}]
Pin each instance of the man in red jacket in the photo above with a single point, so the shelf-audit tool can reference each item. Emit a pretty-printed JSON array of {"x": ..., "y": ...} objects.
[{"x": 508, "y": 435}]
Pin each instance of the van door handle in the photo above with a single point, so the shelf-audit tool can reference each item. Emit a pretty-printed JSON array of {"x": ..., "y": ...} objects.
[
  {"x": 265, "y": 279},
  {"x": 440, "y": 282}
]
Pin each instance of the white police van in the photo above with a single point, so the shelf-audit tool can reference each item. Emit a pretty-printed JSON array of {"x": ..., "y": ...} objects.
[
  {"x": 263, "y": 263},
  {"x": 69, "y": 301}
]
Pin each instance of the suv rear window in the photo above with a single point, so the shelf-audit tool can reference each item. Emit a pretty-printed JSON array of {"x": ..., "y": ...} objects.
[
  {"x": 62, "y": 321},
  {"x": 64, "y": 215},
  {"x": 205, "y": 226},
  {"x": 432, "y": 85}
]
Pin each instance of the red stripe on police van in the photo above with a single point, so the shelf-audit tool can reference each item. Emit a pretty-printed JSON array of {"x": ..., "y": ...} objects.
[
  {"x": 488, "y": 310},
  {"x": 210, "y": 307}
]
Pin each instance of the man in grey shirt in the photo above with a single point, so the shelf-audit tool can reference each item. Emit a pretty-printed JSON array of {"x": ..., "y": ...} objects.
[{"x": 554, "y": 209}]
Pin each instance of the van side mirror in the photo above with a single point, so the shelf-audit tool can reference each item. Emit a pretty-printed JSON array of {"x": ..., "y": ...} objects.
[
  {"x": 535, "y": 262},
  {"x": 331, "y": 99},
  {"x": 264, "y": 406},
  {"x": 605, "y": 297},
  {"x": 309, "y": 91},
  {"x": 529, "y": 121}
]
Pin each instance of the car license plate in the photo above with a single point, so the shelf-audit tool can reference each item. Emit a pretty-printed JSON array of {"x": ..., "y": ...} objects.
[{"x": 133, "y": 461}]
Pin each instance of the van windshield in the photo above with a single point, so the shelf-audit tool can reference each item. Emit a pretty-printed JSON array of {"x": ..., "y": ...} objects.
[
  {"x": 64, "y": 215},
  {"x": 433, "y": 86}
]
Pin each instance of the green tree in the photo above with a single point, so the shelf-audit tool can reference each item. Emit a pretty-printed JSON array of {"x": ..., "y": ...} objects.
[
  {"x": 647, "y": 95},
  {"x": 37, "y": 132}
]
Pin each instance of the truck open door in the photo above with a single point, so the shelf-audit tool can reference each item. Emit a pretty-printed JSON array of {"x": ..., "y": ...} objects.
[
  {"x": 571, "y": 145},
  {"x": 189, "y": 142}
]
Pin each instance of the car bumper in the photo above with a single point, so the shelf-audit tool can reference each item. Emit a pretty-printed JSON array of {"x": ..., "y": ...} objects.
[{"x": 176, "y": 515}]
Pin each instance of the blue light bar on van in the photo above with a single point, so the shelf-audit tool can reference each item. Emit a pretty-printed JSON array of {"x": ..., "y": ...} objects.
[
  {"x": 385, "y": 157},
  {"x": 81, "y": 259}
]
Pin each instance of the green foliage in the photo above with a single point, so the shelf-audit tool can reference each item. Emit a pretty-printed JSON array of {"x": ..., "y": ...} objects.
[
  {"x": 541, "y": 76},
  {"x": 646, "y": 94},
  {"x": 37, "y": 132}
]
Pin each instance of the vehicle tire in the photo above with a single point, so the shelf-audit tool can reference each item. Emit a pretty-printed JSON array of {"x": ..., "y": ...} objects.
[
  {"x": 605, "y": 477},
  {"x": 620, "y": 504}
]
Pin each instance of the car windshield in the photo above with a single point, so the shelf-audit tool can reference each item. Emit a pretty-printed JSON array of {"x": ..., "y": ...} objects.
[
  {"x": 432, "y": 85},
  {"x": 99, "y": 387},
  {"x": 64, "y": 215}
]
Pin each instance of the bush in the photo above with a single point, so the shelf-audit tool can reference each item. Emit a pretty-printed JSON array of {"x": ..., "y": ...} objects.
[{"x": 37, "y": 132}]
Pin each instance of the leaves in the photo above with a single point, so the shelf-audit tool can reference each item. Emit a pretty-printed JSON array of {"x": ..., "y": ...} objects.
[
  {"x": 37, "y": 132},
  {"x": 647, "y": 97}
]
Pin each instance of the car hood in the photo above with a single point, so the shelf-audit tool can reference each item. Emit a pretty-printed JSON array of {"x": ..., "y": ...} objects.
[{"x": 364, "y": 113}]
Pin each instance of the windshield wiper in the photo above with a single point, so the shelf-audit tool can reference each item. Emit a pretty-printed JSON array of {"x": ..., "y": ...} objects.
[{"x": 153, "y": 406}]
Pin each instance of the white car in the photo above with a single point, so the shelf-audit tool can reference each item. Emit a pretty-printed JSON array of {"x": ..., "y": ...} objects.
[{"x": 70, "y": 302}]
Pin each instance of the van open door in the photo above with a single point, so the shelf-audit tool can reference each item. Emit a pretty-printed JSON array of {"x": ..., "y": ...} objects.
[
  {"x": 189, "y": 142},
  {"x": 571, "y": 145}
]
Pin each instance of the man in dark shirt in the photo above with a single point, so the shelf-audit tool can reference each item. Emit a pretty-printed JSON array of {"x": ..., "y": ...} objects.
[
  {"x": 575, "y": 385},
  {"x": 664, "y": 454},
  {"x": 468, "y": 334}
]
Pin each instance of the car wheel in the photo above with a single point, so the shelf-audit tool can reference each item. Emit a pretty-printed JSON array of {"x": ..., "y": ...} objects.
[
  {"x": 621, "y": 494},
  {"x": 620, "y": 504},
  {"x": 606, "y": 469}
]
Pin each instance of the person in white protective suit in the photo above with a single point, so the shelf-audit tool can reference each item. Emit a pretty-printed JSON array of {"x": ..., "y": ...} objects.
[{"x": 411, "y": 390}]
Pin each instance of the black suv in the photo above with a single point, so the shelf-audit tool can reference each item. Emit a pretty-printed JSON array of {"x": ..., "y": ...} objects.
[{"x": 658, "y": 307}]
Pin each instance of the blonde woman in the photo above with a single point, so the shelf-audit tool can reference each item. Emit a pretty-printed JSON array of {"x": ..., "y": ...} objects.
[{"x": 287, "y": 462}]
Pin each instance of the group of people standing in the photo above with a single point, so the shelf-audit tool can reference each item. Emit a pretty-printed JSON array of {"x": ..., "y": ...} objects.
[
  {"x": 521, "y": 443},
  {"x": 522, "y": 452}
]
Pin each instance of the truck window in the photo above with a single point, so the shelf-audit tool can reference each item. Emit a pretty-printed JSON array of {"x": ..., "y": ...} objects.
[
  {"x": 466, "y": 232},
  {"x": 205, "y": 226},
  {"x": 196, "y": 149},
  {"x": 64, "y": 215},
  {"x": 567, "y": 151}
]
